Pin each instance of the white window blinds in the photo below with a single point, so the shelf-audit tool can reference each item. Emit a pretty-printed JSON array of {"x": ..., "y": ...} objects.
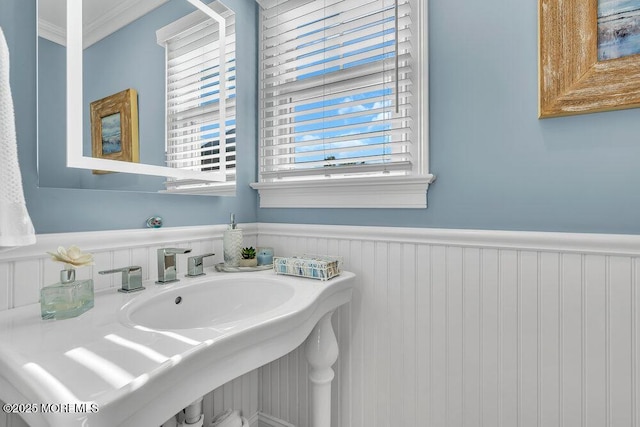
[
  {"x": 336, "y": 82},
  {"x": 201, "y": 111}
]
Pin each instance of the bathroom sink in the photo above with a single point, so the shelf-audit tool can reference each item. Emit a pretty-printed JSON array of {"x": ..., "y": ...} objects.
[
  {"x": 208, "y": 304},
  {"x": 140, "y": 358}
]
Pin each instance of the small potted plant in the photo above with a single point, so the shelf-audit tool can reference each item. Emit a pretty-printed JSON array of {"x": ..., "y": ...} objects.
[{"x": 248, "y": 257}]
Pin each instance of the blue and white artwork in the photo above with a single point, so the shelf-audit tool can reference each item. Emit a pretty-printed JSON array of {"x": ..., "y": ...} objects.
[
  {"x": 618, "y": 28},
  {"x": 111, "y": 134}
]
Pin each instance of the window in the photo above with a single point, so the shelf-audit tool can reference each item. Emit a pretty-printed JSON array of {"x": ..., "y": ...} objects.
[
  {"x": 343, "y": 120},
  {"x": 200, "y": 111}
]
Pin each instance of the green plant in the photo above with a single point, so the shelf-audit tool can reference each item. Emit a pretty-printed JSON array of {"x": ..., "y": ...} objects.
[{"x": 248, "y": 253}]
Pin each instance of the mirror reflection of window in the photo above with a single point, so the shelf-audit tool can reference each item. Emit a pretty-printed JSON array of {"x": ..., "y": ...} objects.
[
  {"x": 200, "y": 95},
  {"x": 122, "y": 52}
]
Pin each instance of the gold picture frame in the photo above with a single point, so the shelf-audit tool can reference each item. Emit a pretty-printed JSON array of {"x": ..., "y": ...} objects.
[
  {"x": 114, "y": 128},
  {"x": 571, "y": 80}
]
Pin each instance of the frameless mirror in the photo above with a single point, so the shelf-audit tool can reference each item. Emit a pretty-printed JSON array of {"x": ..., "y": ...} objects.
[{"x": 115, "y": 118}]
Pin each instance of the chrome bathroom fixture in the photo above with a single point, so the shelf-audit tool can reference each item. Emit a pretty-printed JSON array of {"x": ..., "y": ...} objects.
[
  {"x": 131, "y": 278},
  {"x": 167, "y": 271},
  {"x": 195, "y": 266}
]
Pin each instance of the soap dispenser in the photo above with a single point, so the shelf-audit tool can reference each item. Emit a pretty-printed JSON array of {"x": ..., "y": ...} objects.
[{"x": 232, "y": 244}]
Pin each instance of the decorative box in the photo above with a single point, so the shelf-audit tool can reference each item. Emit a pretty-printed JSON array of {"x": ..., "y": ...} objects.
[{"x": 322, "y": 267}]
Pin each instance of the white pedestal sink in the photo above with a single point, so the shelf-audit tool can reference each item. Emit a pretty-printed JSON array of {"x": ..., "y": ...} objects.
[
  {"x": 201, "y": 305},
  {"x": 138, "y": 359}
]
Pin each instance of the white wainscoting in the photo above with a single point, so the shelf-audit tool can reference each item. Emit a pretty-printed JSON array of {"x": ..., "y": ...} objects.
[
  {"x": 24, "y": 271},
  {"x": 472, "y": 328},
  {"x": 447, "y": 327}
]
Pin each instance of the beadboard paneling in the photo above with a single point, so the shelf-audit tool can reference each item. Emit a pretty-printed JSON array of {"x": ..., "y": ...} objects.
[
  {"x": 24, "y": 271},
  {"x": 466, "y": 328},
  {"x": 446, "y": 327}
]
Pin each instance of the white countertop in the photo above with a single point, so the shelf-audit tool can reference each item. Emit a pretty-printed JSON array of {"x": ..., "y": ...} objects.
[{"x": 140, "y": 376}]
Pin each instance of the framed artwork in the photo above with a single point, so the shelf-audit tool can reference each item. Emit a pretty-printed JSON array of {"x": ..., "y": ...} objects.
[
  {"x": 114, "y": 128},
  {"x": 589, "y": 56}
]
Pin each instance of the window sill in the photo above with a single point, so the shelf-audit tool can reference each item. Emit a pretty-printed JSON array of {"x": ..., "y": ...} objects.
[
  {"x": 227, "y": 189},
  {"x": 378, "y": 192}
]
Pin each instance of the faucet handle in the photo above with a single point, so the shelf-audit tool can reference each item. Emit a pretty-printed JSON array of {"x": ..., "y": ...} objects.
[
  {"x": 194, "y": 265},
  {"x": 131, "y": 278},
  {"x": 173, "y": 251}
]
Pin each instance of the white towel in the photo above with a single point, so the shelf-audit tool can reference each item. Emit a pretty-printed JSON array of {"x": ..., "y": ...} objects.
[{"x": 16, "y": 228}]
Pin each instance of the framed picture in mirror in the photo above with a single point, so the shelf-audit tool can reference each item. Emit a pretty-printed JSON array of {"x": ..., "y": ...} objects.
[{"x": 114, "y": 128}]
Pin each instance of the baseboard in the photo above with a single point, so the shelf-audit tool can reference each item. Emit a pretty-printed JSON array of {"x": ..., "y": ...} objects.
[
  {"x": 265, "y": 420},
  {"x": 254, "y": 420}
]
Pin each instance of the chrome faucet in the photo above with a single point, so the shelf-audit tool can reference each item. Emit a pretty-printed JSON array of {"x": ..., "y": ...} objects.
[
  {"x": 194, "y": 265},
  {"x": 131, "y": 278},
  {"x": 167, "y": 272}
]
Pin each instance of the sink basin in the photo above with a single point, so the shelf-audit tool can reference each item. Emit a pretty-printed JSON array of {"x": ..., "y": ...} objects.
[
  {"x": 142, "y": 357},
  {"x": 208, "y": 304}
]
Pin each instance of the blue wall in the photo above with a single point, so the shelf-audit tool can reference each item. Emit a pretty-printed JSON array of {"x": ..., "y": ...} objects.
[
  {"x": 498, "y": 166},
  {"x": 63, "y": 210},
  {"x": 52, "y": 89}
]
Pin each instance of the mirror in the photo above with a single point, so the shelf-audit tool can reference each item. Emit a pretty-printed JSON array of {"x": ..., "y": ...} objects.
[{"x": 110, "y": 62}]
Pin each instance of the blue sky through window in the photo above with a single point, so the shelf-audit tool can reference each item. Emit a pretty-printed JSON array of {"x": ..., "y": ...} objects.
[
  {"x": 212, "y": 139},
  {"x": 342, "y": 124}
]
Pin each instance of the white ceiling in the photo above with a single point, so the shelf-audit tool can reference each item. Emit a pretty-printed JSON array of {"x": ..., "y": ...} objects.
[{"x": 100, "y": 17}]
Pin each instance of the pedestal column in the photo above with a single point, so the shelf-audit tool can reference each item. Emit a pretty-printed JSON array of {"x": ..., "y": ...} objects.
[{"x": 321, "y": 351}]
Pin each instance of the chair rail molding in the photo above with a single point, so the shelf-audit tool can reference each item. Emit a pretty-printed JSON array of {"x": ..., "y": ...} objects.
[{"x": 588, "y": 243}]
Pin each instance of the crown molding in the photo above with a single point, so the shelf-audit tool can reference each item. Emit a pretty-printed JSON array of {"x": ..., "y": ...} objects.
[
  {"x": 48, "y": 30},
  {"x": 119, "y": 16}
]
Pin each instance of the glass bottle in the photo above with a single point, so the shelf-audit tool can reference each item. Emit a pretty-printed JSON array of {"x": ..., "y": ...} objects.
[{"x": 67, "y": 298}]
